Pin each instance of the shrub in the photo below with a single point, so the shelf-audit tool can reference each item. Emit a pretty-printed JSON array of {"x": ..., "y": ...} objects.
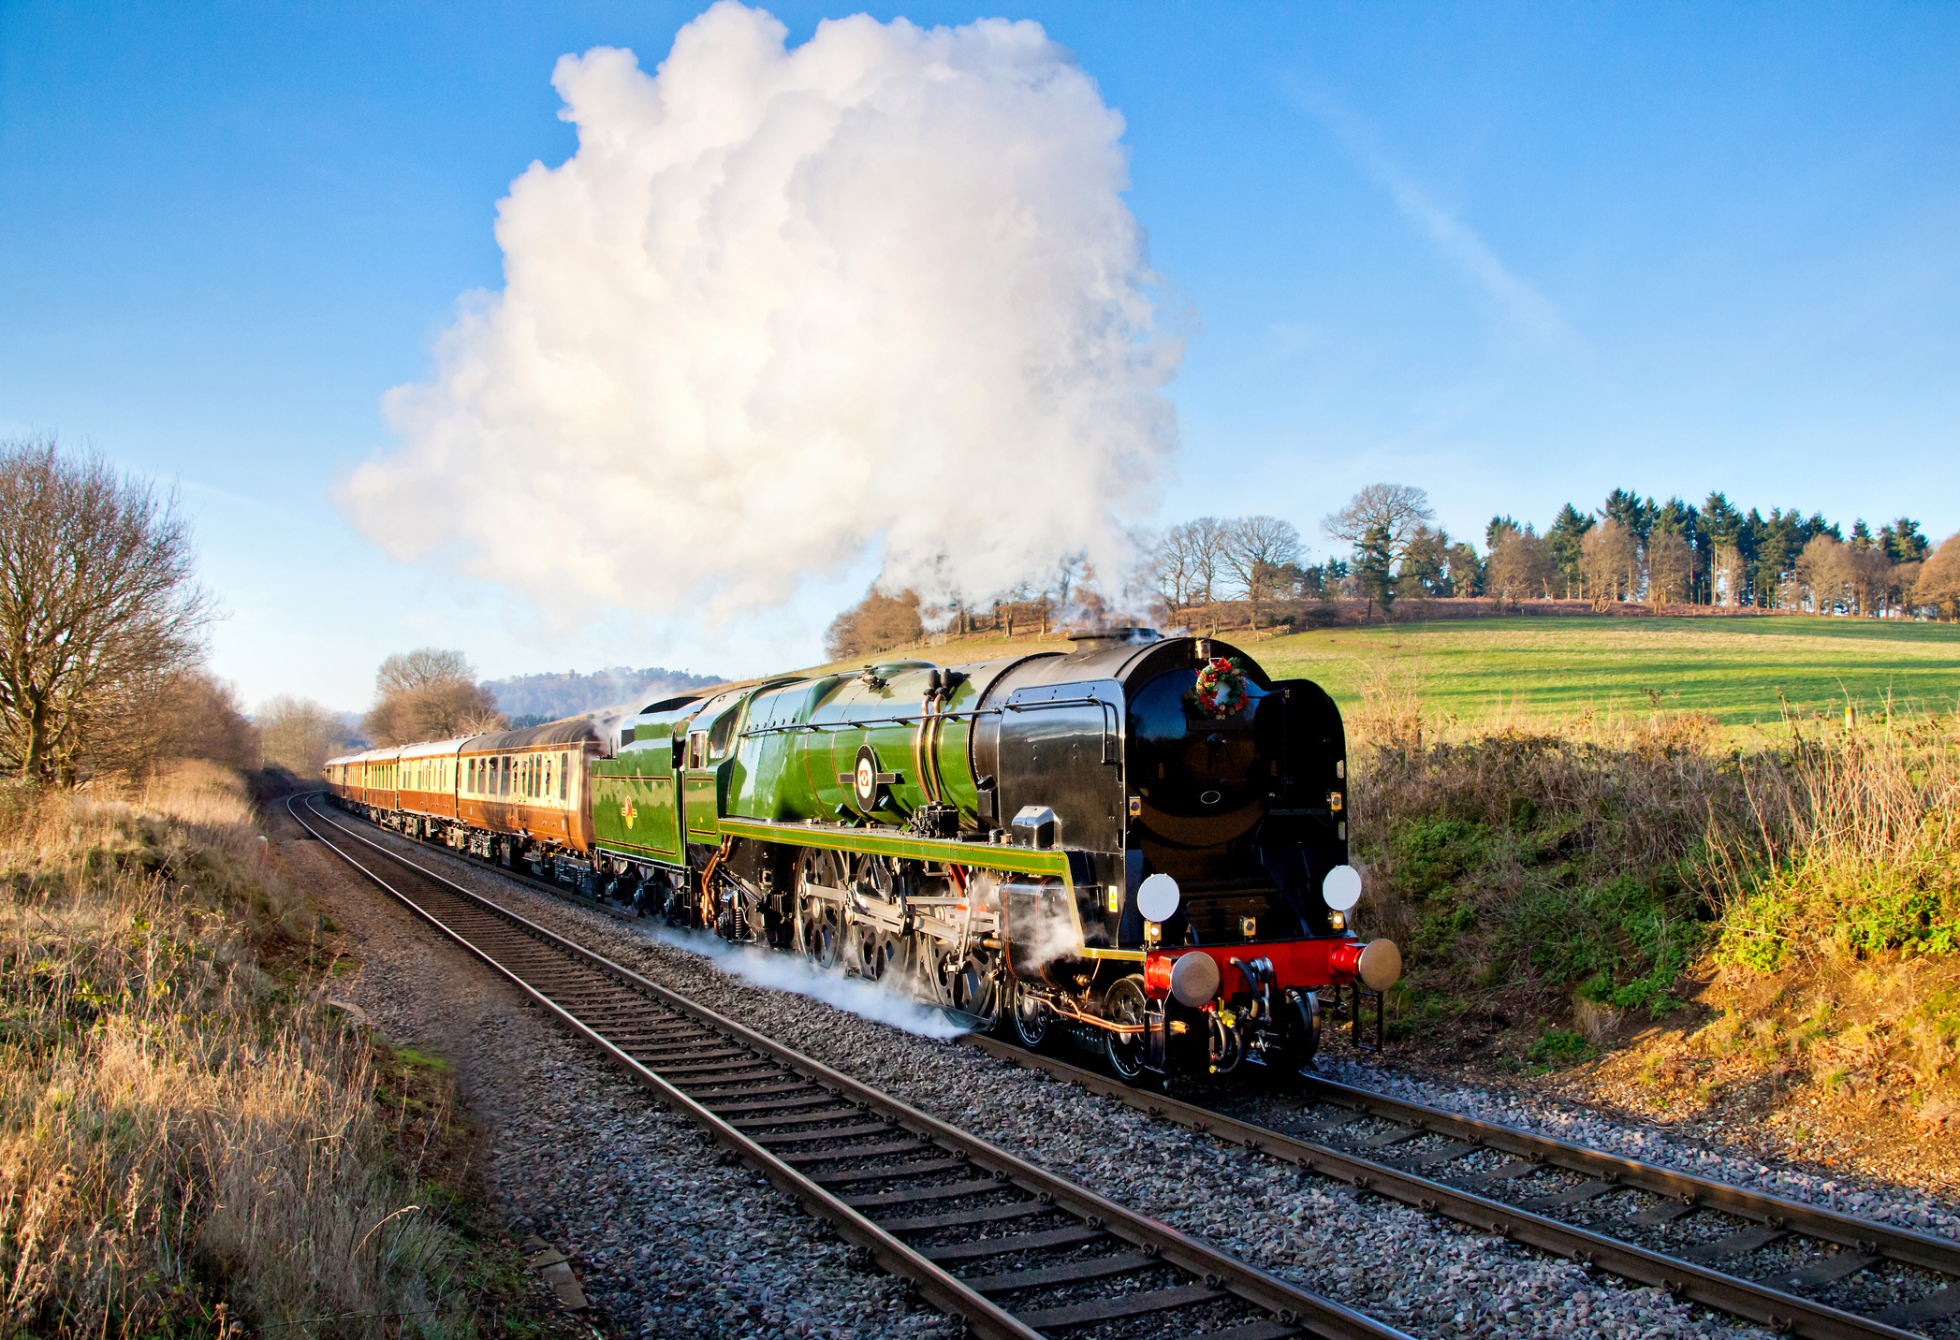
[
  {"x": 1858, "y": 854},
  {"x": 1558, "y": 1047}
]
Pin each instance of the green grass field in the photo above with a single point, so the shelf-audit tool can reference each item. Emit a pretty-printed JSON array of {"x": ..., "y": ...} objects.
[
  {"x": 1530, "y": 669},
  {"x": 1543, "y": 668}
]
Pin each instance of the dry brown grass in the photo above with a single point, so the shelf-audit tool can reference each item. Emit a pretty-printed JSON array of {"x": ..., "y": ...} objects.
[
  {"x": 1560, "y": 888},
  {"x": 188, "y": 1144},
  {"x": 1841, "y": 928},
  {"x": 1537, "y": 875}
]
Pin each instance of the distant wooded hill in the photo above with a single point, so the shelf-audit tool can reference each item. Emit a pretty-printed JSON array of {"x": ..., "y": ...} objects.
[{"x": 548, "y": 697}]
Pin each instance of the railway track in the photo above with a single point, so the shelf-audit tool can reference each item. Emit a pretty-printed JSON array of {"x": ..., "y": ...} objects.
[
  {"x": 1750, "y": 1255},
  {"x": 1004, "y": 1245}
]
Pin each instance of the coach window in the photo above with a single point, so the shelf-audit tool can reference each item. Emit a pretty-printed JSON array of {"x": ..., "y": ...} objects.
[{"x": 564, "y": 775}]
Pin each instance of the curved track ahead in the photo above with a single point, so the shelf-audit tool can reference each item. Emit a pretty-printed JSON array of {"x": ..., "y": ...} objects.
[
  {"x": 1008, "y": 1247},
  {"x": 1647, "y": 1223}
]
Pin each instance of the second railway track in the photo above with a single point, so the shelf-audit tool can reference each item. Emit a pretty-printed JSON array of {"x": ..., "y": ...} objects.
[
  {"x": 1509, "y": 1182},
  {"x": 1009, "y": 1248}
]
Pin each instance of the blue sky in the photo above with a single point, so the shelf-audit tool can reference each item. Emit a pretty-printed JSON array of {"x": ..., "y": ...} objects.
[{"x": 1514, "y": 254}]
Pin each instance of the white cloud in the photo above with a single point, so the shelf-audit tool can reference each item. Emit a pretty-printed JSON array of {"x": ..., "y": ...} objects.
[{"x": 785, "y": 307}]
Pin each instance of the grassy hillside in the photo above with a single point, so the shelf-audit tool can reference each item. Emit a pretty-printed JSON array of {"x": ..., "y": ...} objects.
[
  {"x": 1488, "y": 670},
  {"x": 1492, "y": 672}
]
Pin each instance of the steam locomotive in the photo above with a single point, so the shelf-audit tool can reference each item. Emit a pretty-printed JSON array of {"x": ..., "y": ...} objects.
[{"x": 1141, "y": 841}]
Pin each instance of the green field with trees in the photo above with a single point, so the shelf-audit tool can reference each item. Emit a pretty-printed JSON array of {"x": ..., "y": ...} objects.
[{"x": 1740, "y": 671}]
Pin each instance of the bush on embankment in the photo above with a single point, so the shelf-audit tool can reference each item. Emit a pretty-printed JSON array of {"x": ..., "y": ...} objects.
[
  {"x": 1838, "y": 953},
  {"x": 189, "y": 1141},
  {"x": 1554, "y": 887}
]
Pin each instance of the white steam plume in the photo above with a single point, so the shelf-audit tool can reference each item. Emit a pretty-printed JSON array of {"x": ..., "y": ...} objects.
[
  {"x": 783, "y": 307},
  {"x": 780, "y": 972}
]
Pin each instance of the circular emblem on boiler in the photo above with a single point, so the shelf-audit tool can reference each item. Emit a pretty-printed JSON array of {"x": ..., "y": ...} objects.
[{"x": 864, "y": 780}]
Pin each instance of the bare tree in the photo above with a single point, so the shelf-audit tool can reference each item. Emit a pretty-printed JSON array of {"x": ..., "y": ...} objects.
[
  {"x": 1205, "y": 537},
  {"x": 1254, "y": 550},
  {"x": 1522, "y": 565},
  {"x": 426, "y": 667},
  {"x": 1820, "y": 574},
  {"x": 1939, "y": 580},
  {"x": 1871, "y": 574},
  {"x": 1900, "y": 584},
  {"x": 1670, "y": 563},
  {"x": 298, "y": 734},
  {"x": 1728, "y": 572},
  {"x": 877, "y": 623},
  {"x": 429, "y": 694},
  {"x": 139, "y": 725},
  {"x": 1608, "y": 559},
  {"x": 97, "y": 596},
  {"x": 1393, "y": 509},
  {"x": 1174, "y": 567},
  {"x": 1067, "y": 573}
]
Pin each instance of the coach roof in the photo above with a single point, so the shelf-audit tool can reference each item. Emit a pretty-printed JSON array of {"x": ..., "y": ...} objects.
[{"x": 578, "y": 730}]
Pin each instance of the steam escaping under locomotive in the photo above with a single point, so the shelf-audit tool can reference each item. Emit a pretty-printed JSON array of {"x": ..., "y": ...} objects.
[{"x": 1142, "y": 841}]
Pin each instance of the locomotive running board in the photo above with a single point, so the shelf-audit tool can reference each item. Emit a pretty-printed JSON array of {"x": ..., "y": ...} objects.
[{"x": 891, "y": 842}]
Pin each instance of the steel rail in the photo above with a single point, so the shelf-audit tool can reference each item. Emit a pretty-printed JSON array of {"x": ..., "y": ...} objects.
[
  {"x": 1810, "y": 1221},
  {"x": 1782, "y": 1312},
  {"x": 1292, "y": 1310}
]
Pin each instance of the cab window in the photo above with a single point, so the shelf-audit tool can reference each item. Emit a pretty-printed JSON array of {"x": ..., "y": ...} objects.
[
  {"x": 721, "y": 736},
  {"x": 697, "y": 749}
]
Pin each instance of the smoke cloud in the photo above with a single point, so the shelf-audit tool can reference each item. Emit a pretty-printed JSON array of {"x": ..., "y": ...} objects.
[{"x": 876, "y": 295}]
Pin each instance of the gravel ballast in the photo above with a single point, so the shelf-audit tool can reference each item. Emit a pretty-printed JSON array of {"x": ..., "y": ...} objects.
[
  {"x": 1578, "y": 1125},
  {"x": 665, "y": 1239},
  {"x": 1415, "y": 1271}
]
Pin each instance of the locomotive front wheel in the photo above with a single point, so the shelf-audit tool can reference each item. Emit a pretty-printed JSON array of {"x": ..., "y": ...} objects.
[
  {"x": 1126, "y": 1004},
  {"x": 1031, "y": 1018}
]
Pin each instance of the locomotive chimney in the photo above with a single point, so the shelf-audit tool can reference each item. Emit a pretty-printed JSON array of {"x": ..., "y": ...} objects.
[{"x": 1101, "y": 639}]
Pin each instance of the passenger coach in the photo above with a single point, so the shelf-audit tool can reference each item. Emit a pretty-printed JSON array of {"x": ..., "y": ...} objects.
[{"x": 515, "y": 797}]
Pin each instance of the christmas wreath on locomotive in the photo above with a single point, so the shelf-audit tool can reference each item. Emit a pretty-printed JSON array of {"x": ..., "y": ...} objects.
[{"x": 1143, "y": 839}]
